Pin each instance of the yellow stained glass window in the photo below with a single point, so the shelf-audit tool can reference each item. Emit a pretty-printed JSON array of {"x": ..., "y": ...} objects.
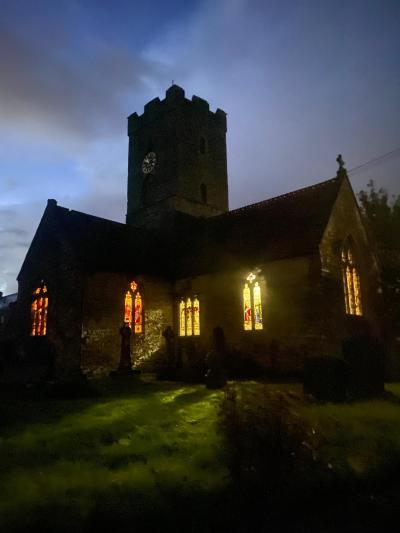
[
  {"x": 128, "y": 308},
  {"x": 182, "y": 319},
  {"x": 196, "y": 316},
  {"x": 258, "y": 323},
  {"x": 252, "y": 304},
  {"x": 39, "y": 308},
  {"x": 138, "y": 313},
  {"x": 189, "y": 317},
  {"x": 247, "y": 314},
  {"x": 351, "y": 283}
]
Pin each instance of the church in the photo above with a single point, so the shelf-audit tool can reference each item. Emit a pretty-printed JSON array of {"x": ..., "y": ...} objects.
[{"x": 286, "y": 278}]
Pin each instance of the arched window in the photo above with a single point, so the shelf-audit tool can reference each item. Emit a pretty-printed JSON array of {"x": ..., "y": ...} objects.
[
  {"x": 134, "y": 308},
  {"x": 39, "y": 307},
  {"x": 202, "y": 145},
  {"x": 196, "y": 316},
  {"x": 203, "y": 193},
  {"x": 351, "y": 281},
  {"x": 252, "y": 304},
  {"x": 189, "y": 317}
]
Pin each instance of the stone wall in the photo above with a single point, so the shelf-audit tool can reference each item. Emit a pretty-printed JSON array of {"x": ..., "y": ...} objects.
[
  {"x": 189, "y": 141},
  {"x": 54, "y": 262},
  {"x": 345, "y": 221},
  {"x": 290, "y": 301},
  {"x": 103, "y": 315}
]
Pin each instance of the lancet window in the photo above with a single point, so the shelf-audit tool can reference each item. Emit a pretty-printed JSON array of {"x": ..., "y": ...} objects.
[
  {"x": 351, "y": 282},
  {"x": 189, "y": 317},
  {"x": 39, "y": 306},
  {"x": 252, "y": 304},
  {"x": 133, "y": 314}
]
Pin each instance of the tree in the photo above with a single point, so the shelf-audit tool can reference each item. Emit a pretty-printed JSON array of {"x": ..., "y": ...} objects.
[{"x": 382, "y": 216}]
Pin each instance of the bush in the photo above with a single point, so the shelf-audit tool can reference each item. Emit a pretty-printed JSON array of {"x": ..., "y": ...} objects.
[
  {"x": 267, "y": 443},
  {"x": 326, "y": 378}
]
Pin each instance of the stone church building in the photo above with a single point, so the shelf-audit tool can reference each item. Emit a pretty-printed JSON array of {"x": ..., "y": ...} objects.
[{"x": 286, "y": 278}]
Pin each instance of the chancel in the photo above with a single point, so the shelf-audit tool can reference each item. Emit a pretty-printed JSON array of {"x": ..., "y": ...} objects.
[{"x": 286, "y": 278}]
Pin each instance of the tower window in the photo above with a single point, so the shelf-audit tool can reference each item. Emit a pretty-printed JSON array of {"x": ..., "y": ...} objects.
[
  {"x": 252, "y": 304},
  {"x": 203, "y": 193},
  {"x": 134, "y": 308},
  {"x": 202, "y": 145},
  {"x": 189, "y": 317},
  {"x": 39, "y": 307},
  {"x": 351, "y": 281}
]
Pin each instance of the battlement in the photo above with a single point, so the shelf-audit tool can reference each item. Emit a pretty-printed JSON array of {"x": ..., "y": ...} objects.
[{"x": 174, "y": 100}]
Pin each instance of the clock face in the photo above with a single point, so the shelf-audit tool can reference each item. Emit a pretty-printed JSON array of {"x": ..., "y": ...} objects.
[{"x": 149, "y": 163}]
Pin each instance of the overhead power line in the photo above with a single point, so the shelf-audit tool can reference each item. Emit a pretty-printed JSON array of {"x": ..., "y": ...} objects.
[{"x": 396, "y": 151}]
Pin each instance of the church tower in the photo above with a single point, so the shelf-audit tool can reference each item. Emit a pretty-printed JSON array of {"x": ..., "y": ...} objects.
[{"x": 177, "y": 160}]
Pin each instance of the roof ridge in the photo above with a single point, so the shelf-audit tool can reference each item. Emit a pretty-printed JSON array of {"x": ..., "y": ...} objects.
[
  {"x": 74, "y": 211},
  {"x": 276, "y": 198}
]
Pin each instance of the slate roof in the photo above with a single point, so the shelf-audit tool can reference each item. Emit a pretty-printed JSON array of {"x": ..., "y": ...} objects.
[
  {"x": 287, "y": 226},
  {"x": 290, "y": 225},
  {"x": 105, "y": 244}
]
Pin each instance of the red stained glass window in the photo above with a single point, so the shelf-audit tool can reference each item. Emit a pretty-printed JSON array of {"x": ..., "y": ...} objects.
[{"x": 39, "y": 308}]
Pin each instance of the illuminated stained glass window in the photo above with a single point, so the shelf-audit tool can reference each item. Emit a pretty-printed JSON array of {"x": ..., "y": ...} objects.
[
  {"x": 258, "y": 324},
  {"x": 138, "y": 313},
  {"x": 247, "y": 320},
  {"x": 252, "y": 305},
  {"x": 196, "y": 316},
  {"x": 189, "y": 317},
  {"x": 39, "y": 307},
  {"x": 182, "y": 318},
  {"x": 128, "y": 308},
  {"x": 351, "y": 282},
  {"x": 133, "y": 313}
]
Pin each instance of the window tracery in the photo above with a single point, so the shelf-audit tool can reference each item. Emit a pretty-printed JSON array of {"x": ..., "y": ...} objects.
[
  {"x": 134, "y": 308},
  {"x": 252, "y": 304},
  {"x": 39, "y": 308},
  {"x": 351, "y": 282},
  {"x": 189, "y": 317}
]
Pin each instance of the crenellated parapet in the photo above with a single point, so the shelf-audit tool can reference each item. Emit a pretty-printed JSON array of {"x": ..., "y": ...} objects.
[
  {"x": 177, "y": 159},
  {"x": 175, "y": 101}
]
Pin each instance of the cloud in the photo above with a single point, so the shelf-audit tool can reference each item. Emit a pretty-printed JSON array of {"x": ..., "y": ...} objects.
[
  {"x": 54, "y": 89},
  {"x": 300, "y": 81},
  {"x": 18, "y": 232},
  {"x": 10, "y": 246}
]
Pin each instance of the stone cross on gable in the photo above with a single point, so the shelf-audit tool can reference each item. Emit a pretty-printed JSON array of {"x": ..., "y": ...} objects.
[{"x": 340, "y": 161}]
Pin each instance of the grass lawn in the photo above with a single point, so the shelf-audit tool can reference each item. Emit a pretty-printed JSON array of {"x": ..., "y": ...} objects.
[{"x": 146, "y": 448}]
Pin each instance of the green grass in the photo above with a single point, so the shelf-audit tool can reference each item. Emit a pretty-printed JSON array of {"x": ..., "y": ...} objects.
[
  {"x": 138, "y": 448},
  {"x": 149, "y": 441},
  {"x": 360, "y": 438}
]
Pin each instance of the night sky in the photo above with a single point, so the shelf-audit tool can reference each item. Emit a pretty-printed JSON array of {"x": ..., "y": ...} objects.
[{"x": 301, "y": 81}]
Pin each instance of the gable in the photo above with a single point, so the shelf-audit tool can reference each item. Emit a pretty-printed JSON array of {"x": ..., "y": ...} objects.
[
  {"x": 345, "y": 221},
  {"x": 37, "y": 258}
]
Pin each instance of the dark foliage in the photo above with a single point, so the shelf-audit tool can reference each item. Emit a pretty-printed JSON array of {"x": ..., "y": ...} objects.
[
  {"x": 382, "y": 216},
  {"x": 267, "y": 444}
]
